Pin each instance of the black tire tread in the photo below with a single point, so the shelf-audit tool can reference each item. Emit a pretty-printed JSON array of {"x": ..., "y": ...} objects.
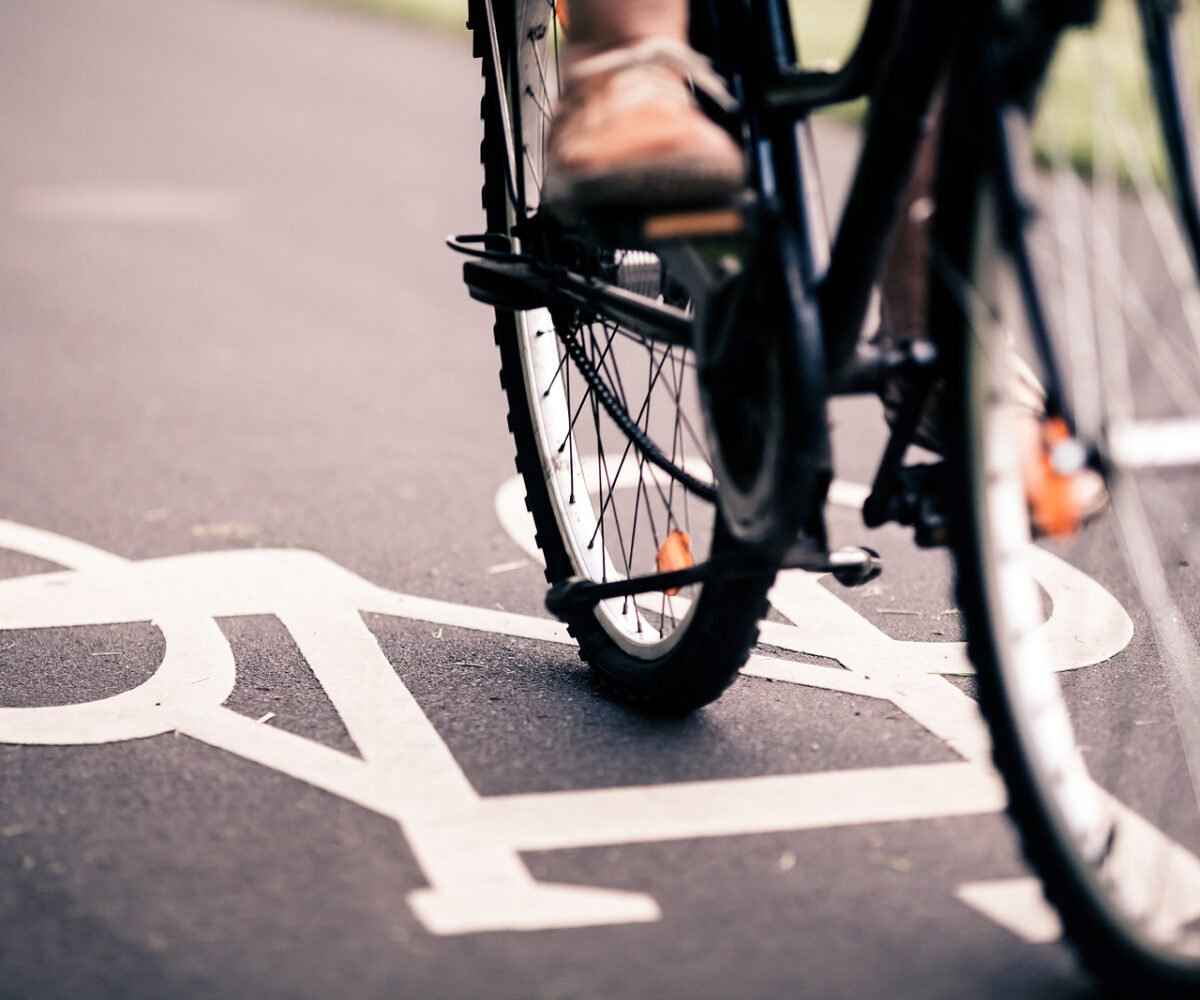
[
  {"x": 1100, "y": 947},
  {"x": 1103, "y": 948}
]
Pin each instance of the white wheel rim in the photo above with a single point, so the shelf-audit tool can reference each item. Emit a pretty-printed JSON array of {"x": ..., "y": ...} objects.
[{"x": 573, "y": 509}]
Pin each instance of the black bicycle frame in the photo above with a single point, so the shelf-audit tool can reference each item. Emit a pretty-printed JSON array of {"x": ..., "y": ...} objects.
[
  {"x": 754, "y": 43},
  {"x": 902, "y": 54}
]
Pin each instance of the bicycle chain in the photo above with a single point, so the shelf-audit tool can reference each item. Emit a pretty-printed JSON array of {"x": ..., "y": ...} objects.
[{"x": 640, "y": 440}]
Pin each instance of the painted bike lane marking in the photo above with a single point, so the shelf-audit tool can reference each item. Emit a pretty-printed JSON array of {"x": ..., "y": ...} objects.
[
  {"x": 1086, "y": 626},
  {"x": 467, "y": 845}
]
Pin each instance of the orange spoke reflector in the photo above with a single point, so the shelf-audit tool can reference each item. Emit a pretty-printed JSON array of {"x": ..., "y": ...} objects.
[
  {"x": 675, "y": 553},
  {"x": 560, "y": 8},
  {"x": 1052, "y": 497}
]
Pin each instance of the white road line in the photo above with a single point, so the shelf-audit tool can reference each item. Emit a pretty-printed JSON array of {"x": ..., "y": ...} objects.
[
  {"x": 384, "y": 602},
  {"x": 1087, "y": 624},
  {"x": 811, "y": 675},
  {"x": 198, "y": 666},
  {"x": 1017, "y": 905},
  {"x": 863, "y": 649},
  {"x": 303, "y": 759},
  {"x": 467, "y": 845},
  {"x": 506, "y": 567},
  {"x": 57, "y": 549},
  {"x": 382, "y": 717},
  {"x": 742, "y": 806}
]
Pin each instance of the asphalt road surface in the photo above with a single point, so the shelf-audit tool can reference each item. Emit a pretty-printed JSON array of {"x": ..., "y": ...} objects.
[{"x": 246, "y": 401}]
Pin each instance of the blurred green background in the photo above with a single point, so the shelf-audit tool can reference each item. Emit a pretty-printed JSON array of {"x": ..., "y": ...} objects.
[{"x": 1099, "y": 76}]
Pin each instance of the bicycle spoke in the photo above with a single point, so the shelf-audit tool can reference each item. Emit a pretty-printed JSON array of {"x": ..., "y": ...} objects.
[{"x": 643, "y": 412}]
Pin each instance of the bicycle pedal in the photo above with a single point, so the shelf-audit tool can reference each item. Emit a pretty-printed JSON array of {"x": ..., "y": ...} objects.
[
  {"x": 852, "y": 566},
  {"x": 856, "y": 566},
  {"x": 642, "y": 230},
  {"x": 577, "y": 593},
  {"x": 726, "y": 221}
]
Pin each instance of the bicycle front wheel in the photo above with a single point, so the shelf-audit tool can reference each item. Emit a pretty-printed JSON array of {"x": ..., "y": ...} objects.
[{"x": 1095, "y": 719}]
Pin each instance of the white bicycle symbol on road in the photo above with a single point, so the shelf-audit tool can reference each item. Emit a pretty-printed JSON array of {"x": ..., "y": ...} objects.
[{"x": 468, "y": 845}]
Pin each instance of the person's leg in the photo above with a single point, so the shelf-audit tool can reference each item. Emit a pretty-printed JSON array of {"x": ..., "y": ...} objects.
[
  {"x": 905, "y": 276},
  {"x": 607, "y": 24},
  {"x": 628, "y": 133},
  {"x": 905, "y": 284},
  {"x": 1058, "y": 503}
]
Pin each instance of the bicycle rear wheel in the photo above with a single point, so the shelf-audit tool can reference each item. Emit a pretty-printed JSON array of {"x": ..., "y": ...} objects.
[
  {"x": 601, "y": 510},
  {"x": 1098, "y": 738}
]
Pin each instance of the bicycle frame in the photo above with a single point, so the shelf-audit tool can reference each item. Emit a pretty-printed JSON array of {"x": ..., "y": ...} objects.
[
  {"x": 818, "y": 316},
  {"x": 902, "y": 91},
  {"x": 904, "y": 52},
  {"x": 753, "y": 43}
]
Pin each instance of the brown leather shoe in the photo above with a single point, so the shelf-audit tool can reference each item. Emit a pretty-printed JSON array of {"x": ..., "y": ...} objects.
[{"x": 628, "y": 134}]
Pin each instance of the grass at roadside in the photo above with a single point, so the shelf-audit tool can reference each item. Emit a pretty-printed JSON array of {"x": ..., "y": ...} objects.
[
  {"x": 443, "y": 13},
  {"x": 1099, "y": 91},
  {"x": 830, "y": 27},
  {"x": 1097, "y": 86},
  {"x": 827, "y": 30}
]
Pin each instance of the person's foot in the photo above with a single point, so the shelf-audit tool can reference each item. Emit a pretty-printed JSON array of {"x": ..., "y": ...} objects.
[
  {"x": 629, "y": 135},
  {"x": 1059, "y": 503}
]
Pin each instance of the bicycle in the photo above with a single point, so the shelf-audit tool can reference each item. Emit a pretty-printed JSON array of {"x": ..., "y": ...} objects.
[{"x": 667, "y": 379}]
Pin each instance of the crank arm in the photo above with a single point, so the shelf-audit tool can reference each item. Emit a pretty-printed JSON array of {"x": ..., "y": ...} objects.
[
  {"x": 850, "y": 566},
  {"x": 577, "y": 594}
]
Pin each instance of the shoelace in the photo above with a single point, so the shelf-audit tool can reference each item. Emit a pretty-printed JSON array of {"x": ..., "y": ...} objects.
[{"x": 665, "y": 52}]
